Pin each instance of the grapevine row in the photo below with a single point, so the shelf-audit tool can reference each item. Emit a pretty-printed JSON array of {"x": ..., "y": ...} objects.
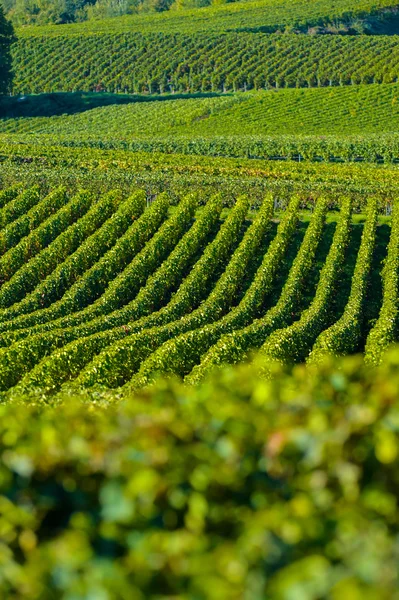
[
  {"x": 180, "y": 354},
  {"x": 205, "y": 62},
  {"x": 235, "y": 346},
  {"x": 105, "y": 293},
  {"x": 385, "y": 330},
  {"x": 61, "y": 364},
  {"x": 30, "y": 351},
  {"x": 29, "y": 234},
  {"x": 344, "y": 336},
  {"x": 293, "y": 343}
]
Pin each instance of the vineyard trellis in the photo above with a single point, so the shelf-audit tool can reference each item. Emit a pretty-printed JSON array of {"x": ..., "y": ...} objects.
[
  {"x": 203, "y": 62},
  {"x": 179, "y": 289}
]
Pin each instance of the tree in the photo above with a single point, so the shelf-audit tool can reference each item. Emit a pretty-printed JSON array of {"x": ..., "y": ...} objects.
[{"x": 6, "y": 39}]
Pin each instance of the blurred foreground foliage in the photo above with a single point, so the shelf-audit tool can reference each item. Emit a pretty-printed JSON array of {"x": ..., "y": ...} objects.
[{"x": 241, "y": 488}]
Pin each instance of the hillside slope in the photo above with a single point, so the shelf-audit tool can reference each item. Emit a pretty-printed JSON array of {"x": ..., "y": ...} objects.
[
  {"x": 105, "y": 291},
  {"x": 256, "y": 15},
  {"x": 345, "y": 123},
  {"x": 159, "y": 63},
  {"x": 361, "y": 109}
]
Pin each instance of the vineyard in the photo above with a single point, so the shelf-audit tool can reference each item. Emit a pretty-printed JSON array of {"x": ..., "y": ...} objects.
[
  {"x": 199, "y": 300},
  {"x": 106, "y": 291},
  {"x": 203, "y": 62},
  {"x": 344, "y": 123},
  {"x": 101, "y": 170},
  {"x": 357, "y": 110}
]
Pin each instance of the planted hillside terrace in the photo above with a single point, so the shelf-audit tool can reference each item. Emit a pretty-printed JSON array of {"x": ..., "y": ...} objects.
[{"x": 110, "y": 291}]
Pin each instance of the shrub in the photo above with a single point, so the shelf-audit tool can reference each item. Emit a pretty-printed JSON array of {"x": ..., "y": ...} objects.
[{"x": 237, "y": 488}]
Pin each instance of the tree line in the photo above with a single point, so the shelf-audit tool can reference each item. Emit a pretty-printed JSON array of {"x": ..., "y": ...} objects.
[{"x": 40, "y": 12}]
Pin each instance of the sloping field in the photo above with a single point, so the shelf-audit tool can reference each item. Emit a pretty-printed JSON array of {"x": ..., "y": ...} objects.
[
  {"x": 166, "y": 62},
  {"x": 343, "y": 123},
  {"x": 258, "y": 15},
  {"x": 108, "y": 292},
  {"x": 351, "y": 110}
]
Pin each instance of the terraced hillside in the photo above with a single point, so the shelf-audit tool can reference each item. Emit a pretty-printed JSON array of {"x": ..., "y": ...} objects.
[{"x": 106, "y": 291}]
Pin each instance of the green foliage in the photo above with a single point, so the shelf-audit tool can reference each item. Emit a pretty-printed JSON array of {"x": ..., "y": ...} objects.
[
  {"x": 344, "y": 337},
  {"x": 349, "y": 123},
  {"x": 385, "y": 330},
  {"x": 238, "y": 488},
  {"x": 68, "y": 226},
  {"x": 75, "y": 266},
  {"x": 100, "y": 171},
  {"x": 18, "y": 206},
  {"x": 70, "y": 359},
  {"x": 6, "y": 40},
  {"x": 234, "y": 347},
  {"x": 20, "y": 240},
  {"x": 201, "y": 62},
  {"x": 258, "y": 15},
  {"x": 103, "y": 294},
  {"x": 293, "y": 343},
  {"x": 181, "y": 353}
]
